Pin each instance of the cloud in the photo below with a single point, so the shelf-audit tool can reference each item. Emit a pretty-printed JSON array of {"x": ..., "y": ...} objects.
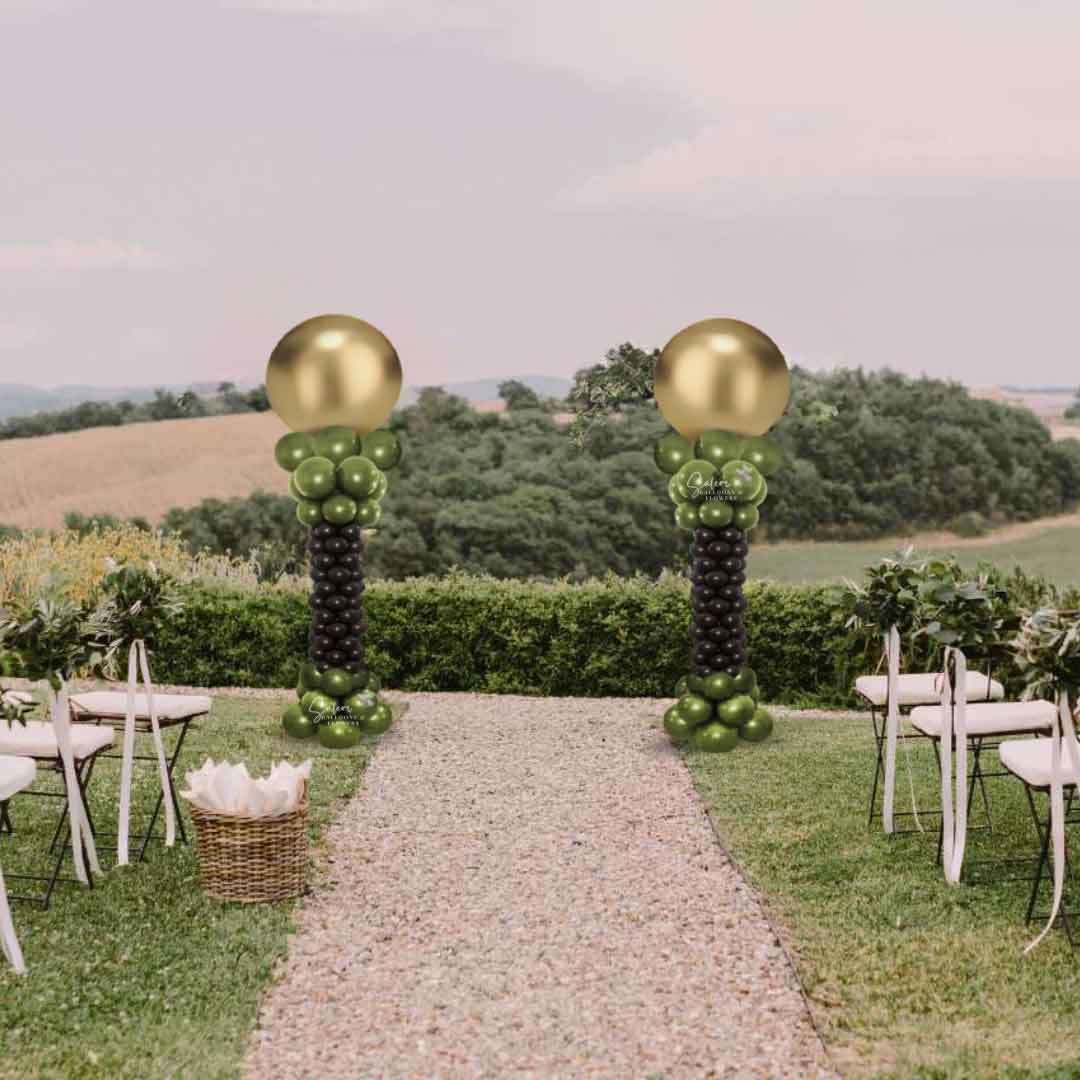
[{"x": 78, "y": 255}]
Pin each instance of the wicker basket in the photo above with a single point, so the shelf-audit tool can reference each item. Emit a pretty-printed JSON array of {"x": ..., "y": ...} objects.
[{"x": 253, "y": 860}]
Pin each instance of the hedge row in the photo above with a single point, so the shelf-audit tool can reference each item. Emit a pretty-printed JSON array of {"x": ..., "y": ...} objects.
[{"x": 626, "y": 638}]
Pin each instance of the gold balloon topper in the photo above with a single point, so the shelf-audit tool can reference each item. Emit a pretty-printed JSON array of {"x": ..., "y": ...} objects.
[
  {"x": 333, "y": 370},
  {"x": 721, "y": 374}
]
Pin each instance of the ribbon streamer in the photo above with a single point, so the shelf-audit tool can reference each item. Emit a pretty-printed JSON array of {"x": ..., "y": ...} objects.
[
  {"x": 1064, "y": 732},
  {"x": 7, "y": 933},
  {"x": 137, "y": 665},
  {"x": 81, "y": 836},
  {"x": 892, "y": 725},
  {"x": 953, "y": 751}
]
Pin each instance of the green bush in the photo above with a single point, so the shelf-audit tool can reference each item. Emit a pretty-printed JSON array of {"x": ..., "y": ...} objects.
[
  {"x": 969, "y": 524},
  {"x": 616, "y": 637}
]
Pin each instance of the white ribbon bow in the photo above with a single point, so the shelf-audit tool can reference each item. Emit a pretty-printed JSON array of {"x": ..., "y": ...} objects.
[
  {"x": 137, "y": 658},
  {"x": 954, "y": 813},
  {"x": 81, "y": 836},
  {"x": 1064, "y": 732},
  {"x": 7, "y": 933}
]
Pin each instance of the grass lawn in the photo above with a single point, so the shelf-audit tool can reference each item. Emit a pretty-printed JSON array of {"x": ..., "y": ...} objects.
[
  {"x": 907, "y": 976},
  {"x": 1054, "y": 553},
  {"x": 143, "y": 976}
]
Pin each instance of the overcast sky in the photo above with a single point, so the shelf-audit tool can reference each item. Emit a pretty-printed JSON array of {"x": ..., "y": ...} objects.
[{"x": 507, "y": 187}]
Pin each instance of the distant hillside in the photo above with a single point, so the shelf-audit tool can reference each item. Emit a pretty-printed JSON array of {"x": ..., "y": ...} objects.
[
  {"x": 21, "y": 399},
  {"x": 139, "y": 469}
]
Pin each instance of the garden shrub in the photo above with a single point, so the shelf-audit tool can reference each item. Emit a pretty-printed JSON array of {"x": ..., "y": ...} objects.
[{"x": 615, "y": 637}]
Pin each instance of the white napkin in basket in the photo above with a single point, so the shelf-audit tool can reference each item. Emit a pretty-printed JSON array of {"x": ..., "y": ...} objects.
[{"x": 221, "y": 787}]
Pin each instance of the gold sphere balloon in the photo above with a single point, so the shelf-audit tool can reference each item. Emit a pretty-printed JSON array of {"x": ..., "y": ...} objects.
[
  {"x": 333, "y": 370},
  {"x": 721, "y": 374}
]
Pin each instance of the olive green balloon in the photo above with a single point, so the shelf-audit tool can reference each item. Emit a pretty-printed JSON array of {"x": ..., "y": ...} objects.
[
  {"x": 380, "y": 487},
  {"x": 719, "y": 686},
  {"x": 763, "y": 453},
  {"x": 741, "y": 479},
  {"x": 686, "y": 517},
  {"x": 675, "y": 494},
  {"x": 368, "y": 513},
  {"x": 358, "y": 476},
  {"x": 380, "y": 720},
  {"x": 695, "y": 479},
  {"x": 745, "y": 681},
  {"x": 336, "y": 683},
  {"x": 762, "y": 495},
  {"x": 296, "y": 723},
  {"x": 672, "y": 452},
  {"x": 679, "y": 729},
  {"x": 335, "y": 443},
  {"x": 339, "y": 509},
  {"x": 292, "y": 449},
  {"x": 362, "y": 704},
  {"x": 736, "y": 711},
  {"x": 339, "y": 735},
  {"x": 697, "y": 710},
  {"x": 758, "y": 727},
  {"x": 308, "y": 513},
  {"x": 716, "y": 513},
  {"x": 695, "y": 684},
  {"x": 315, "y": 478},
  {"x": 383, "y": 447},
  {"x": 745, "y": 517},
  {"x": 317, "y": 705},
  {"x": 681, "y": 687},
  {"x": 293, "y": 491},
  {"x": 310, "y": 679},
  {"x": 718, "y": 446},
  {"x": 715, "y": 739}
]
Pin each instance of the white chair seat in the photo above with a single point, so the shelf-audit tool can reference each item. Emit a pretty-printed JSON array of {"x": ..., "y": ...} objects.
[
  {"x": 36, "y": 739},
  {"x": 1030, "y": 760},
  {"x": 16, "y": 697},
  {"x": 923, "y": 689},
  {"x": 16, "y": 773},
  {"x": 112, "y": 705},
  {"x": 990, "y": 718}
]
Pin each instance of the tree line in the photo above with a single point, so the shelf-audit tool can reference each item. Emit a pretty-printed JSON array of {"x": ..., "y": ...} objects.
[
  {"x": 520, "y": 495},
  {"x": 164, "y": 405}
]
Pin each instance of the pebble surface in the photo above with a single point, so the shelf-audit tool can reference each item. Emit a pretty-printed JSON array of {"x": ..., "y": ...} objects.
[{"x": 529, "y": 887}]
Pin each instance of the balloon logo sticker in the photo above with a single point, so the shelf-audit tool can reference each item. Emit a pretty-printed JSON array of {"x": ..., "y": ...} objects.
[
  {"x": 334, "y": 379},
  {"x": 721, "y": 384}
]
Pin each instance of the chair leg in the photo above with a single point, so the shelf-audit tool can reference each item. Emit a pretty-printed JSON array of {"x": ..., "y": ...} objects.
[
  {"x": 879, "y": 768},
  {"x": 5, "y": 818},
  {"x": 977, "y": 775},
  {"x": 148, "y": 835}
]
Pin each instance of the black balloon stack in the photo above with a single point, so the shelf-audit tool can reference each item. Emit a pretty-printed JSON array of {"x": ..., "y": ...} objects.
[
  {"x": 335, "y": 555},
  {"x": 717, "y": 575}
]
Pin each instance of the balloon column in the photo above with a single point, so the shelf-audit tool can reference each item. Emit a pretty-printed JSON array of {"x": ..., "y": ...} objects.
[
  {"x": 334, "y": 379},
  {"x": 721, "y": 384}
]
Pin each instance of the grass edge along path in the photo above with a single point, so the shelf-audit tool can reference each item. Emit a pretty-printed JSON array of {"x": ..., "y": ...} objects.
[
  {"x": 906, "y": 975},
  {"x": 143, "y": 976}
]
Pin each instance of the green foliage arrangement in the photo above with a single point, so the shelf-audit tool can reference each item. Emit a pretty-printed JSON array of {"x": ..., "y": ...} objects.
[
  {"x": 138, "y": 601},
  {"x": 889, "y": 596},
  {"x": 46, "y": 635},
  {"x": 1047, "y": 651}
]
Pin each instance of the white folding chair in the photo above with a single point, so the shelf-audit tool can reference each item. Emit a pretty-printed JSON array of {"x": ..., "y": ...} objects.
[
  {"x": 71, "y": 753},
  {"x": 1052, "y": 766},
  {"x": 16, "y": 774},
  {"x": 887, "y": 695}
]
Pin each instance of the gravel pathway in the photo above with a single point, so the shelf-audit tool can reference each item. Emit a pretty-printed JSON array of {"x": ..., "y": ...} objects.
[{"x": 529, "y": 887}]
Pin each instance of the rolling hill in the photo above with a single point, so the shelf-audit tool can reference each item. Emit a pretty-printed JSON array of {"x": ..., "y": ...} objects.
[{"x": 139, "y": 469}]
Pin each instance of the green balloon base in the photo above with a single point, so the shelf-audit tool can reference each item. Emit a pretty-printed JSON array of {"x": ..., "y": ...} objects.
[
  {"x": 713, "y": 714},
  {"x": 336, "y": 707}
]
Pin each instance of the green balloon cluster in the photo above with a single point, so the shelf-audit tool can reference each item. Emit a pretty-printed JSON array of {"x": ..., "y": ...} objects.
[
  {"x": 719, "y": 480},
  {"x": 337, "y": 706},
  {"x": 714, "y": 713},
  {"x": 336, "y": 476}
]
